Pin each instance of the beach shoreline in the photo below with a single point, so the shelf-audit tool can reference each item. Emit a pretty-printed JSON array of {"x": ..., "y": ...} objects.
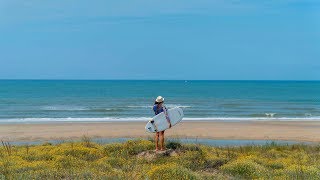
[{"x": 304, "y": 131}]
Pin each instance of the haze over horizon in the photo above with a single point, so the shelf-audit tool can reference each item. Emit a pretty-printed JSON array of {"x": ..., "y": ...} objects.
[{"x": 160, "y": 40}]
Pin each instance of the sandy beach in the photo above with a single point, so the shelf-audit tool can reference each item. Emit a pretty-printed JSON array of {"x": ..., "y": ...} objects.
[{"x": 251, "y": 130}]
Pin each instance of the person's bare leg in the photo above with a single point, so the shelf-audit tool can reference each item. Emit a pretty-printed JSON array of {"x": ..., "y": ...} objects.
[
  {"x": 162, "y": 140},
  {"x": 156, "y": 140}
]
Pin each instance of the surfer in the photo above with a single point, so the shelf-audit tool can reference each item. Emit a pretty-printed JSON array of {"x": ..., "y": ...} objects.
[{"x": 158, "y": 107}]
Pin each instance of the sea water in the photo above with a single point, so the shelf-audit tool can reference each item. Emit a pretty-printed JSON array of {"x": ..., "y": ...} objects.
[{"x": 27, "y": 101}]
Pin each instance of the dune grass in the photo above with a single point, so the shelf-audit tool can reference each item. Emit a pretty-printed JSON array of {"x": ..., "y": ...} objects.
[{"x": 89, "y": 160}]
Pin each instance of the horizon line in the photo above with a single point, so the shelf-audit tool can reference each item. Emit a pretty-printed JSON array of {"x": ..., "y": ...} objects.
[{"x": 154, "y": 80}]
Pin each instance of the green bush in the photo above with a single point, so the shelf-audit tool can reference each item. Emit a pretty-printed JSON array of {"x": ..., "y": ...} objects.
[
  {"x": 302, "y": 172},
  {"x": 87, "y": 160},
  {"x": 173, "y": 145},
  {"x": 194, "y": 160},
  {"x": 84, "y": 153},
  {"x": 129, "y": 148},
  {"x": 114, "y": 149},
  {"x": 69, "y": 162},
  {"x": 135, "y": 147},
  {"x": 244, "y": 168},
  {"x": 171, "y": 171}
]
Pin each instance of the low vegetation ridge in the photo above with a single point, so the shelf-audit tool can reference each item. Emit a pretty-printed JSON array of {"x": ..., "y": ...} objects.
[{"x": 135, "y": 159}]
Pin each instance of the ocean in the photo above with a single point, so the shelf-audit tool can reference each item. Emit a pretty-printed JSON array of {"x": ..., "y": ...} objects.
[{"x": 28, "y": 101}]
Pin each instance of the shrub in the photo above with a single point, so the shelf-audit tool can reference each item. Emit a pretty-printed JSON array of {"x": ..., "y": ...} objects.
[
  {"x": 192, "y": 160},
  {"x": 119, "y": 161},
  {"x": 129, "y": 148},
  {"x": 215, "y": 163},
  {"x": 275, "y": 165},
  {"x": 171, "y": 171},
  {"x": 47, "y": 144},
  {"x": 114, "y": 149},
  {"x": 68, "y": 162},
  {"x": 173, "y": 145},
  {"x": 190, "y": 147},
  {"x": 302, "y": 172},
  {"x": 135, "y": 147},
  {"x": 116, "y": 162},
  {"x": 244, "y": 168},
  {"x": 37, "y": 156},
  {"x": 84, "y": 153}
]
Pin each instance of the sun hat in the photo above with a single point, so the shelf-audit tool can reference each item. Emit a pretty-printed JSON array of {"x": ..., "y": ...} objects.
[{"x": 159, "y": 99}]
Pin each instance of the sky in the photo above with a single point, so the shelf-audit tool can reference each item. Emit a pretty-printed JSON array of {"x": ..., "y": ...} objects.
[{"x": 160, "y": 39}]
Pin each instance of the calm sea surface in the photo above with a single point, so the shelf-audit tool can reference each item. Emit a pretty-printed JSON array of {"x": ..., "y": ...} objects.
[{"x": 59, "y": 100}]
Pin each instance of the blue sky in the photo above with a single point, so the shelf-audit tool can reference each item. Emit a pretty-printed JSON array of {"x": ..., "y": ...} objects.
[{"x": 163, "y": 39}]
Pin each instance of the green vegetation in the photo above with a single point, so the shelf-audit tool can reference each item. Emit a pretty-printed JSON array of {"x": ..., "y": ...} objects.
[{"x": 88, "y": 160}]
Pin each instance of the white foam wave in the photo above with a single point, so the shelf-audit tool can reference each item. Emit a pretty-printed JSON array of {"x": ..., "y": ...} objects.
[
  {"x": 111, "y": 109},
  {"x": 105, "y": 119},
  {"x": 64, "y": 108},
  {"x": 254, "y": 119},
  {"x": 177, "y": 105},
  {"x": 139, "y": 106},
  {"x": 270, "y": 114},
  {"x": 167, "y": 105},
  {"x": 144, "y": 119}
]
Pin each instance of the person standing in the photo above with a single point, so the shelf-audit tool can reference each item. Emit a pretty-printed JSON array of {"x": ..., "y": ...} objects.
[{"x": 158, "y": 108}]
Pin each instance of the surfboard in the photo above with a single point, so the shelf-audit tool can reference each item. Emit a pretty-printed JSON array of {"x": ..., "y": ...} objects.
[{"x": 159, "y": 122}]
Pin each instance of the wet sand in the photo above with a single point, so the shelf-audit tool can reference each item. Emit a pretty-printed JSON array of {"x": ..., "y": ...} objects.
[{"x": 250, "y": 130}]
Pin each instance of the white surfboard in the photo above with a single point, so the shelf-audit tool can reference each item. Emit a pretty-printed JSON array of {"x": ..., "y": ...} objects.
[{"x": 160, "y": 123}]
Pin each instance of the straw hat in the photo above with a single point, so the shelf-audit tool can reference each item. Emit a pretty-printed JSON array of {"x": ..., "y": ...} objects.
[{"x": 159, "y": 99}]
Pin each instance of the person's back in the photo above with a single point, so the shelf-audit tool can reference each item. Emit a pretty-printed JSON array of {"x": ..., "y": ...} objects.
[{"x": 158, "y": 108}]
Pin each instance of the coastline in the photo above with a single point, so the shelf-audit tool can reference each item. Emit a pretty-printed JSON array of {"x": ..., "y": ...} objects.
[{"x": 304, "y": 131}]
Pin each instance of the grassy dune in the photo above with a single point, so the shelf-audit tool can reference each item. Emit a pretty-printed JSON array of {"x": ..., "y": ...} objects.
[{"x": 88, "y": 160}]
